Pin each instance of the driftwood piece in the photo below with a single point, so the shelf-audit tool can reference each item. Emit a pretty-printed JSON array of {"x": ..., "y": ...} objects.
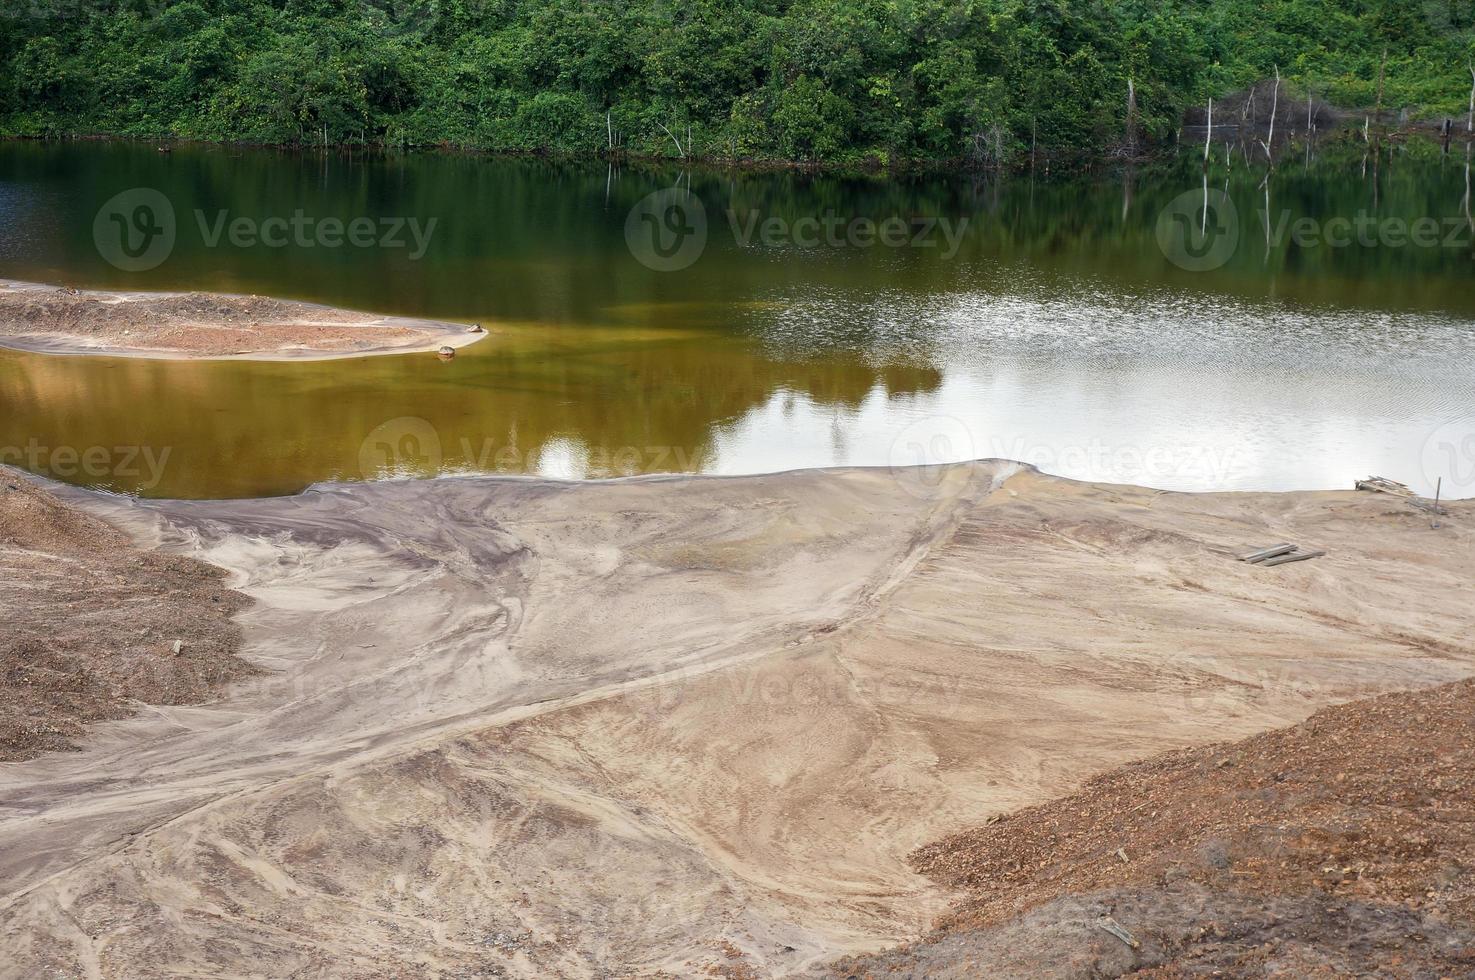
[
  {"x": 1379, "y": 484},
  {"x": 1293, "y": 556},
  {"x": 1112, "y": 927},
  {"x": 1270, "y": 552}
]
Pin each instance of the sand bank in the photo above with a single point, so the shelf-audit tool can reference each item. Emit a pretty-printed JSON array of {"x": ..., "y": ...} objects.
[
  {"x": 58, "y": 320},
  {"x": 96, "y": 628},
  {"x": 667, "y": 726}
]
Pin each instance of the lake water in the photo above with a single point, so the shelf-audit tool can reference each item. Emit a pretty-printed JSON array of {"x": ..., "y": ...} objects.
[{"x": 1111, "y": 329}]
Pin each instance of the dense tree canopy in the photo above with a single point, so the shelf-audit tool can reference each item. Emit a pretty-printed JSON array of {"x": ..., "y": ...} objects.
[{"x": 834, "y": 80}]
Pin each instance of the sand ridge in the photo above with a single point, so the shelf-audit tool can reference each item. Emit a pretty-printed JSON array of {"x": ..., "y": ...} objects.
[
  {"x": 665, "y": 726},
  {"x": 195, "y": 326}
]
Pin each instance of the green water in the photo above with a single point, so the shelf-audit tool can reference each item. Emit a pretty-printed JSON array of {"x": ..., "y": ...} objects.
[{"x": 1030, "y": 317}]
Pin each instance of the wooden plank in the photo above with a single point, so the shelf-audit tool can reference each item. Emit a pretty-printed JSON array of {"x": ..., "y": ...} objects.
[
  {"x": 1293, "y": 556},
  {"x": 1270, "y": 552},
  {"x": 1379, "y": 484}
]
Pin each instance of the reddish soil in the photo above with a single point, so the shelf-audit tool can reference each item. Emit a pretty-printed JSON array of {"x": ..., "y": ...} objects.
[
  {"x": 91, "y": 623},
  {"x": 1344, "y": 845}
]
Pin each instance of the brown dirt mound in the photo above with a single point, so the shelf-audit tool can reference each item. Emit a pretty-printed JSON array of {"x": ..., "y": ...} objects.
[
  {"x": 204, "y": 324},
  {"x": 1342, "y": 845},
  {"x": 91, "y": 623},
  {"x": 88, "y": 313}
]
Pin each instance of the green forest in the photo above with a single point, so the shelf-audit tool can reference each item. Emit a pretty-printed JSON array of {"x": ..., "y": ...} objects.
[{"x": 854, "y": 82}]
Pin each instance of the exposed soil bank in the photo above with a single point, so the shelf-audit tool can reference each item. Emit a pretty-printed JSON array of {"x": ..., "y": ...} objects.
[
  {"x": 686, "y": 726},
  {"x": 1337, "y": 847},
  {"x": 58, "y": 320},
  {"x": 91, "y": 623}
]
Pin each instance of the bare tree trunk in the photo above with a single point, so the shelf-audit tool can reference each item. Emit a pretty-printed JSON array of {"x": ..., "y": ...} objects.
[
  {"x": 1210, "y": 134},
  {"x": 1470, "y": 119},
  {"x": 1469, "y": 145},
  {"x": 1274, "y": 108},
  {"x": 609, "y": 130},
  {"x": 679, "y": 150},
  {"x": 1131, "y": 118}
]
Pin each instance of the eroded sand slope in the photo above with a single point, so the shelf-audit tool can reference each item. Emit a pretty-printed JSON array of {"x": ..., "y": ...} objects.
[{"x": 532, "y": 729}]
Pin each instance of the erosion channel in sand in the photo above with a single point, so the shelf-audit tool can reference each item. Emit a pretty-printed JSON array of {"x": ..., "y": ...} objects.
[
  {"x": 535, "y": 729},
  {"x": 59, "y": 320}
]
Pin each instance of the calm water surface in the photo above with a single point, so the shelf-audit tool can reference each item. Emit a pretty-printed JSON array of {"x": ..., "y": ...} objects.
[{"x": 1056, "y": 327}]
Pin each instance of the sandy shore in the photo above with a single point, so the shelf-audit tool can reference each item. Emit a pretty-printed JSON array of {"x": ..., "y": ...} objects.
[
  {"x": 662, "y": 727},
  {"x": 58, "y": 320}
]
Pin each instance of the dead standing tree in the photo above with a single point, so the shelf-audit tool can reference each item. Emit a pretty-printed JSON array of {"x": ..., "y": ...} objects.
[
  {"x": 1269, "y": 142},
  {"x": 1469, "y": 145},
  {"x": 679, "y": 151},
  {"x": 986, "y": 146},
  {"x": 1470, "y": 119},
  {"x": 615, "y": 139},
  {"x": 1209, "y": 133},
  {"x": 1131, "y": 143}
]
